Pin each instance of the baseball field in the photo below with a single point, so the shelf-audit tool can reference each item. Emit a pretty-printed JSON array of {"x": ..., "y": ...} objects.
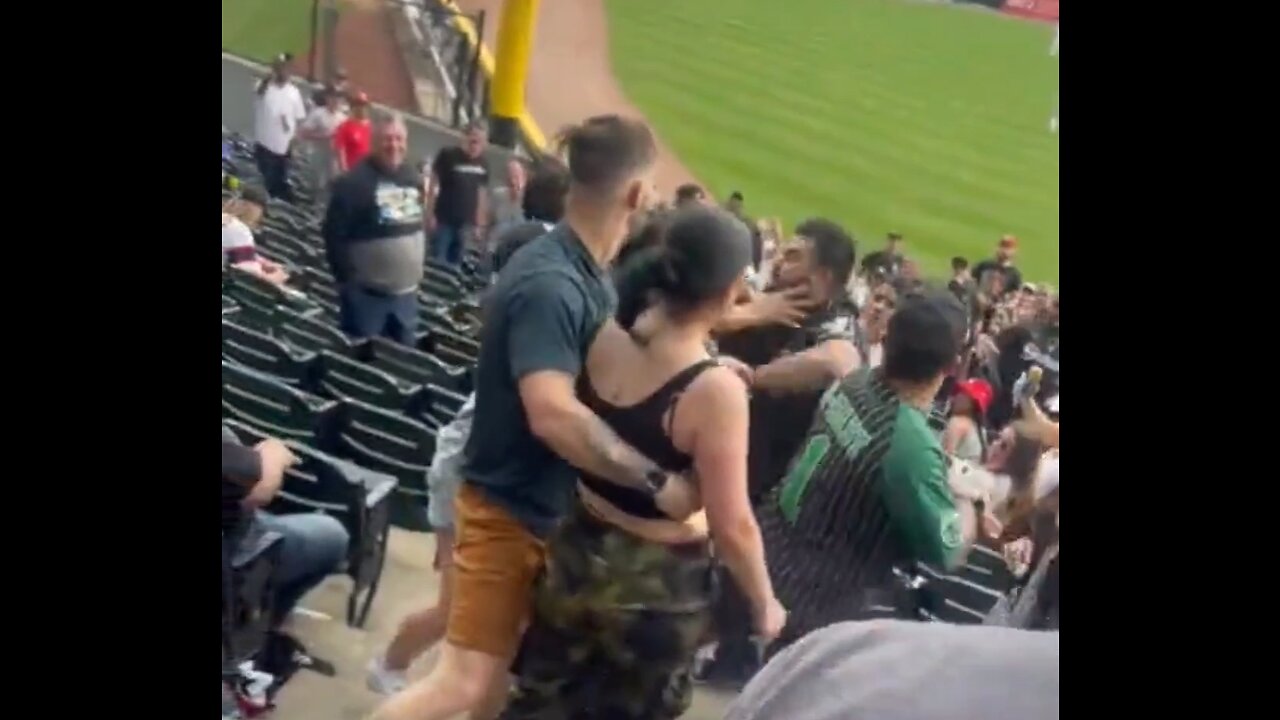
[{"x": 930, "y": 119}]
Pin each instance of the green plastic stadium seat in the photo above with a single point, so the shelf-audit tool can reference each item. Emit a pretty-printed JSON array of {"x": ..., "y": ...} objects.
[
  {"x": 269, "y": 355},
  {"x": 315, "y": 334},
  {"x": 394, "y": 444},
  {"x": 443, "y": 338},
  {"x": 415, "y": 366},
  {"x": 261, "y": 401},
  {"x": 345, "y": 378},
  {"x": 358, "y": 497},
  {"x": 443, "y": 404}
]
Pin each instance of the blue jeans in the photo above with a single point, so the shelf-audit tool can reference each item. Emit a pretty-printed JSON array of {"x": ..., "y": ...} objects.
[
  {"x": 448, "y": 242},
  {"x": 313, "y": 548},
  {"x": 367, "y": 314}
]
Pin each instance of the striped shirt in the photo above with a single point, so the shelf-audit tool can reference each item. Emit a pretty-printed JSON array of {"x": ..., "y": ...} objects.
[{"x": 866, "y": 493}]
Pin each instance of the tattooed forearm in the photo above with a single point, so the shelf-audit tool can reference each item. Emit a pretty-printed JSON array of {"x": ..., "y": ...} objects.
[{"x": 614, "y": 459}]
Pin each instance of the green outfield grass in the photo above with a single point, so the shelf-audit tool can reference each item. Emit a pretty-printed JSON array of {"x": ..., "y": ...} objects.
[
  {"x": 262, "y": 29},
  {"x": 883, "y": 114}
]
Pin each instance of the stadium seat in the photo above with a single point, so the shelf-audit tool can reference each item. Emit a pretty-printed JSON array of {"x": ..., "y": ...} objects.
[
  {"x": 271, "y": 406},
  {"x": 315, "y": 335},
  {"x": 443, "y": 404},
  {"x": 415, "y": 365},
  {"x": 453, "y": 348},
  {"x": 358, "y": 497},
  {"x": 344, "y": 378},
  {"x": 266, "y": 354},
  {"x": 247, "y": 595},
  {"x": 298, "y": 253},
  {"x": 258, "y": 299},
  {"x": 394, "y": 444}
]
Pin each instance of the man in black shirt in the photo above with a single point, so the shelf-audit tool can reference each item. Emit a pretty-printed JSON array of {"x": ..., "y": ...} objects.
[
  {"x": 788, "y": 367},
  {"x": 374, "y": 240},
  {"x": 457, "y": 195},
  {"x": 888, "y": 262},
  {"x": 1003, "y": 262},
  {"x": 314, "y": 545}
]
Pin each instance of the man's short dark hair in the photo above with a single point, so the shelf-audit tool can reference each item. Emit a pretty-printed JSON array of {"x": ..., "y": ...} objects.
[
  {"x": 895, "y": 236},
  {"x": 735, "y": 195},
  {"x": 833, "y": 247},
  {"x": 959, "y": 263},
  {"x": 605, "y": 150},
  {"x": 545, "y": 193},
  {"x": 925, "y": 335},
  {"x": 688, "y": 192}
]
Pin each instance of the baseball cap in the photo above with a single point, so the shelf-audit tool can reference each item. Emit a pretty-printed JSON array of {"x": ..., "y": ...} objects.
[
  {"x": 978, "y": 390},
  {"x": 1009, "y": 241}
]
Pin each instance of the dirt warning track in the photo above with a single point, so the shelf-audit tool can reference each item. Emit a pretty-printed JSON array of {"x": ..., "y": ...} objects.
[{"x": 570, "y": 76}]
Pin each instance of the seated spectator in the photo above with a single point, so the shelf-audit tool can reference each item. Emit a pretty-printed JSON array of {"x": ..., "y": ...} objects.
[
  {"x": 895, "y": 670},
  {"x": 241, "y": 215},
  {"x": 314, "y": 545}
]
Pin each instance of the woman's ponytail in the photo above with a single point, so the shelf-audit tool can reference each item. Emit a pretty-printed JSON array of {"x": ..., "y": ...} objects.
[{"x": 641, "y": 281}]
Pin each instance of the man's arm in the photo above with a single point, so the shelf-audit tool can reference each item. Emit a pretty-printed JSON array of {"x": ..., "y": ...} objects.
[
  {"x": 933, "y": 525},
  {"x": 812, "y": 369},
  {"x": 545, "y": 319},
  {"x": 783, "y": 307}
]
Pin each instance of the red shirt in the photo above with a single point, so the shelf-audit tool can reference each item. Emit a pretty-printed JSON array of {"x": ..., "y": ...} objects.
[{"x": 352, "y": 140}]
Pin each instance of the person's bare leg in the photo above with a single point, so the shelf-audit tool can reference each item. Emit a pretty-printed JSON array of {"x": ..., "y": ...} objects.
[
  {"x": 421, "y": 630},
  {"x": 459, "y": 682},
  {"x": 494, "y": 700}
]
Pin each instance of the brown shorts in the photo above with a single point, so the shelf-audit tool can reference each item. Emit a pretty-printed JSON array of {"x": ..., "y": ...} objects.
[{"x": 496, "y": 560}]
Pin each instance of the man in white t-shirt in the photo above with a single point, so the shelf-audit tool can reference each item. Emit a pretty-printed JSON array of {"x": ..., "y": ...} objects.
[
  {"x": 240, "y": 215},
  {"x": 318, "y": 130},
  {"x": 277, "y": 113}
]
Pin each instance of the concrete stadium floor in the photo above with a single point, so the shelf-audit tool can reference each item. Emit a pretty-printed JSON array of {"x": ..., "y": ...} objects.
[{"x": 407, "y": 583}]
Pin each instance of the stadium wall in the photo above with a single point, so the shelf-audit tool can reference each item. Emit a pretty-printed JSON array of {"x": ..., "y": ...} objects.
[
  {"x": 239, "y": 76},
  {"x": 1046, "y": 10}
]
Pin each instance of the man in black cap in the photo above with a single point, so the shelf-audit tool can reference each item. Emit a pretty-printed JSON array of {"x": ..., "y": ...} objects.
[{"x": 277, "y": 113}]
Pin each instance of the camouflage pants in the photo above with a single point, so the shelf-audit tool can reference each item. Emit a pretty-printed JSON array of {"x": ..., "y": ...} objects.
[{"x": 616, "y": 621}]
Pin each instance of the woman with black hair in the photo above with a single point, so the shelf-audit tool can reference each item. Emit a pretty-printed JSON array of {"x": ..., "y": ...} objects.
[{"x": 625, "y": 600}]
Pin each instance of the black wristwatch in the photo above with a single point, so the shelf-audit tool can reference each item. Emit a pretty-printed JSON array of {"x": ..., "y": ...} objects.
[{"x": 656, "y": 479}]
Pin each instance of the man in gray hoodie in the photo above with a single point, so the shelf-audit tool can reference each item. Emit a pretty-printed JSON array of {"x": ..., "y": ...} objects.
[
  {"x": 373, "y": 235},
  {"x": 898, "y": 670}
]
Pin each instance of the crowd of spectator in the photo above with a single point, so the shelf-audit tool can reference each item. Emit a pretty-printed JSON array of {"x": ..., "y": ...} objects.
[{"x": 657, "y": 379}]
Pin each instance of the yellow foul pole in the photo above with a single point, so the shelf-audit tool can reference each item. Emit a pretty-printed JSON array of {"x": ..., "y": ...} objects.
[{"x": 511, "y": 68}]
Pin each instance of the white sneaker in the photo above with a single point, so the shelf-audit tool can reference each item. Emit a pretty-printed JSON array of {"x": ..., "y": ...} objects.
[{"x": 383, "y": 680}]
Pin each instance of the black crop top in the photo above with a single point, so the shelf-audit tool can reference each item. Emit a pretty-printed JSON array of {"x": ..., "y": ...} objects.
[{"x": 643, "y": 426}]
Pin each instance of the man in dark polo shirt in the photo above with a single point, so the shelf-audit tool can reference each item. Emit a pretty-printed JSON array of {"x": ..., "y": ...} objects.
[
  {"x": 788, "y": 366},
  {"x": 374, "y": 240},
  {"x": 530, "y": 430}
]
